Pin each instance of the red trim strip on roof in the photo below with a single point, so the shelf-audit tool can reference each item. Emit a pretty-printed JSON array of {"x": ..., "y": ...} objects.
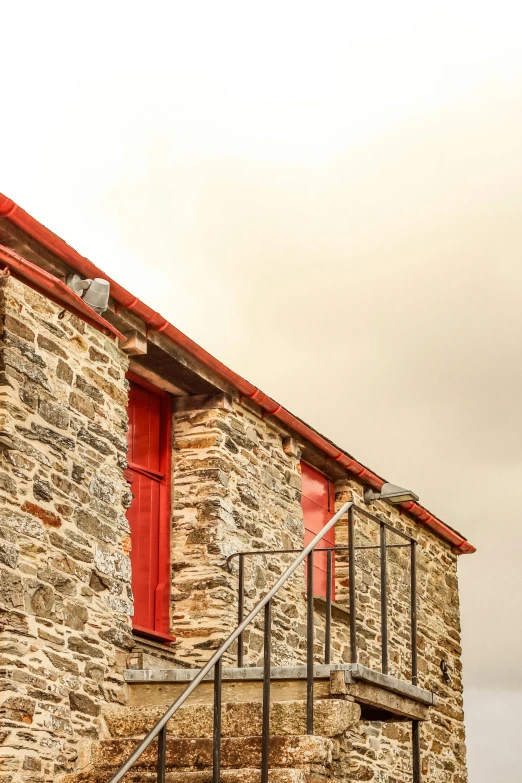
[
  {"x": 45, "y": 237},
  {"x": 55, "y": 290}
]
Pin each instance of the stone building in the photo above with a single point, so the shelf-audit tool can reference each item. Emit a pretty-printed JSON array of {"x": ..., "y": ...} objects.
[{"x": 134, "y": 469}]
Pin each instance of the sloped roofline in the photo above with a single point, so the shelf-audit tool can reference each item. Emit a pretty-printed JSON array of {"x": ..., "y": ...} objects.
[{"x": 157, "y": 323}]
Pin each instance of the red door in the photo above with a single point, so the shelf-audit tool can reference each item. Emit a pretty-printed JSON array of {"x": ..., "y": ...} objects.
[
  {"x": 149, "y": 461},
  {"x": 317, "y": 501}
]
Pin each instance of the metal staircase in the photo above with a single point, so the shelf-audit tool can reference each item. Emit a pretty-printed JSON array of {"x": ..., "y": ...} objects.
[{"x": 215, "y": 664}]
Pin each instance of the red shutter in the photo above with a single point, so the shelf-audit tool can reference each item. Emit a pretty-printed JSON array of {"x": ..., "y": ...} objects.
[
  {"x": 317, "y": 501},
  {"x": 149, "y": 459}
]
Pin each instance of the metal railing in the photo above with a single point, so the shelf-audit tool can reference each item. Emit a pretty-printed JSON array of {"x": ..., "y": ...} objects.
[
  {"x": 215, "y": 662},
  {"x": 383, "y": 546},
  {"x": 159, "y": 731},
  {"x": 351, "y": 548}
]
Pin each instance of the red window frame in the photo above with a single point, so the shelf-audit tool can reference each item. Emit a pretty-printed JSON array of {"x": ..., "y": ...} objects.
[
  {"x": 161, "y": 629},
  {"x": 318, "y": 504}
]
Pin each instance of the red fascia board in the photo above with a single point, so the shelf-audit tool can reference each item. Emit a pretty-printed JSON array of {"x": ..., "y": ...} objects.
[
  {"x": 54, "y": 289},
  {"x": 156, "y": 322}
]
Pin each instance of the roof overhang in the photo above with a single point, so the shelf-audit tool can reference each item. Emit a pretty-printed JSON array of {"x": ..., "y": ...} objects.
[{"x": 157, "y": 323}]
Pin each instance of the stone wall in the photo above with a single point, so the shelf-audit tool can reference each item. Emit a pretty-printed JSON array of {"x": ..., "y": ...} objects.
[
  {"x": 235, "y": 489},
  {"x": 382, "y": 752},
  {"x": 65, "y": 577},
  {"x": 65, "y": 595}
]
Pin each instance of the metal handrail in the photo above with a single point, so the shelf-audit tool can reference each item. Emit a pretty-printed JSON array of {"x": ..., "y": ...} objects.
[
  {"x": 317, "y": 549},
  {"x": 159, "y": 730},
  {"x": 383, "y": 546}
]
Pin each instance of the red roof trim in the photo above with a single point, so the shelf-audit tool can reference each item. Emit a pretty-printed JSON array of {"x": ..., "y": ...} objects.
[
  {"x": 54, "y": 289},
  {"x": 45, "y": 237}
]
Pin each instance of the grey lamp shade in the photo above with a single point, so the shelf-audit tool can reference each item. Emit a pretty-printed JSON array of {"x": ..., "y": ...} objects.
[
  {"x": 394, "y": 494},
  {"x": 97, "y": 295}
]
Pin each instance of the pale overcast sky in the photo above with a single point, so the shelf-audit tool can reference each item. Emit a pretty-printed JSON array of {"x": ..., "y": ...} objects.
[{"x": 328, "y": 197}]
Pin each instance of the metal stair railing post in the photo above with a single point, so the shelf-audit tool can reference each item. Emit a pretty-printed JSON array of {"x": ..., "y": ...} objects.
[
  {"x": 310, "y": 644},
  {"x": 415, "y": 725},
  {"x": 240, "y": 609},
  {"x": 351, "y": 587},
  {"x": 267, "y": 654},
  {"x": 328, "y": 614},
  {"x": 384, "y": 600},
  {"x": 216, "y": 743},
  {"x": 214, "y": 659}
]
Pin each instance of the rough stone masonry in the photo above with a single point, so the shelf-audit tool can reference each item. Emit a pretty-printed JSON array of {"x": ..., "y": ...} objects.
[
  {"x": 236, "y": 489},
  {"x": 65, "y": 575}
]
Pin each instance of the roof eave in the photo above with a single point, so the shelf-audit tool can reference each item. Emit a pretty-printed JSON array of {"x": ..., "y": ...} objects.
[{"x": 155, "y": 322}]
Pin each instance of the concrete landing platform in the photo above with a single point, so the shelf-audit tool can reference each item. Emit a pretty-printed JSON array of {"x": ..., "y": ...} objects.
[{"x": 381, "y": 696}]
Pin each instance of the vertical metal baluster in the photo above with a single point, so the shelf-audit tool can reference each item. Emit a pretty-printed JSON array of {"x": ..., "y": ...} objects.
[
  {"x": 415, "y": 726},
  {"x": 267, "y": 652},
  {"x": 384, "y": 602},
  {"x": 162, "y": 754},
  {"x": 240, "y": 609},
  {"x": 415, "y": 744},
  {"x": 216, "y": 745},
  {"x": 413, "y": 573},
  {"x": 328, "y": 622},
  {"x": 351, "y": 567},
  {"x": 310, "y": 645}
]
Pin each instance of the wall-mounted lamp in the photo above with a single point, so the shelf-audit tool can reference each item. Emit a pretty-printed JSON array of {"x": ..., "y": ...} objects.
[
  {"x": 391, "y": 493},
  {"x": 95, "y": 292}
]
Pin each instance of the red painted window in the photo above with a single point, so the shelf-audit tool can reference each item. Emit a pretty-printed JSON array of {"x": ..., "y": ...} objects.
[
  {"x": 149, "y": 459},
  {"x": 317, "y": 501}
]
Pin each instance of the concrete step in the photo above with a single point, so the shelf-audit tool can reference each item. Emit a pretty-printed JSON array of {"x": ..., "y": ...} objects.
[
  {"x": 236, "y": 753},
  {"x": 244, "y": 775},
  {"x": 331, "y": 718}
]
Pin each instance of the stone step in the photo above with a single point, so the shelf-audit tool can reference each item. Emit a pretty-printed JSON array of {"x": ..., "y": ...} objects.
[
  {"x": 331, "y": 718},
  {"x": 244, "y": 775},
  {"x": 236, "y": 752}
]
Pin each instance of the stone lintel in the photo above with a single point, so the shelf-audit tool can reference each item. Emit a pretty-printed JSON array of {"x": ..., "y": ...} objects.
[{"x": 202, "y": 402}]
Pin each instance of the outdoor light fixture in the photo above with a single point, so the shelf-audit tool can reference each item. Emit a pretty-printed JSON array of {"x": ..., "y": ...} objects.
[
  {"x": 95, "y": 292},
  {"x": 391, "y": 493}
]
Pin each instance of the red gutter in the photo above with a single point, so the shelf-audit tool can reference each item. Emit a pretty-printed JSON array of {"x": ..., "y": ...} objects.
[
  {"x": 55, "y": 290},
  {"x": 157, "y": 323}
]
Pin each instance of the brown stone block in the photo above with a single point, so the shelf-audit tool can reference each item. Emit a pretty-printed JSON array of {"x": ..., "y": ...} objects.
[
  {"x": 49, "y": 437},
  {"x": 91, "y": 525},
  {"x": 96, "y": 443},
  {"x": 26, "y": 367},
  {"x": 76, "y": 551},
  {"x": 107, "y": 386},
  {"x": 64, "y": 372},
  {"x": 244, "y": 719},
  {"x": 81, "y": 703},
  {"x": 97, "y": 356},
  {"x": 89, "y": 389},
  {"x": 236, "y": 752},
  {"x": 19, "y": 328},
  {"x": 18, "y": 708},
  {"x": 82, "y": 404},
  {"x": 11, "y": 590},
  {"x": 58, "y": 580},
  {"x": 42, "y": 601},
  {"x": 8, "y": 554},
  {"x": 50, "y": 346},
  {"x": 80, "y": 646}
]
